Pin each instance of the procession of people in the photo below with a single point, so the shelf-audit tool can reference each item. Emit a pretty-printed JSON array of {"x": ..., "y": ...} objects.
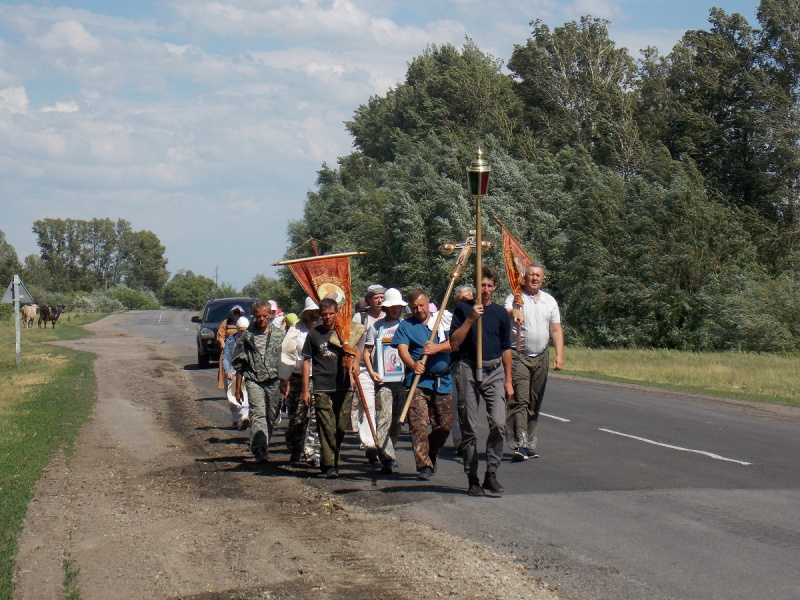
[{"x": 399, "y": 358}]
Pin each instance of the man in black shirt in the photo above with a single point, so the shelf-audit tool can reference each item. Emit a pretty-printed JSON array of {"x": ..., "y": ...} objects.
[
  {"x": 333, "y": 396},
  {"x": 494, "y": 386}
]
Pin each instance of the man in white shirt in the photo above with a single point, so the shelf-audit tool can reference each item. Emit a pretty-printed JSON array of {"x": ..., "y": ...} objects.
[{"x": 533, "y": 323}]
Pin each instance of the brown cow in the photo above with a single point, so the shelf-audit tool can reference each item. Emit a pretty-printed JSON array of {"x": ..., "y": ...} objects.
[
  {"x": 29, "y": 315},
  {"x": 50, "y": 313}
]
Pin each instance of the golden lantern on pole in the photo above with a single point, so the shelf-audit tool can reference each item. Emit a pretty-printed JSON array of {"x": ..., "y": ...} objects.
[{"x": 478, "y": 181}]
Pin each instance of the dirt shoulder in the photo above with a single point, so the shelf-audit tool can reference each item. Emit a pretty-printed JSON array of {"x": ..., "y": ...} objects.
[{"x": 148, "y": 508}]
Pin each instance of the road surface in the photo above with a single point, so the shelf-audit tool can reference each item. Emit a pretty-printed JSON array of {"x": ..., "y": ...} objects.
[{"x": 638, "y": 493}]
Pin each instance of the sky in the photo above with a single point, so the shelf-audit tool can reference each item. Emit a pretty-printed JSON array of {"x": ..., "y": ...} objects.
[{"x": 206, "y": 122}]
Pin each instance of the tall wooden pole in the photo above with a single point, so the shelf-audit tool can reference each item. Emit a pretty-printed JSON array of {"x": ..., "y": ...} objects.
[{"x": 478, "y": 180}]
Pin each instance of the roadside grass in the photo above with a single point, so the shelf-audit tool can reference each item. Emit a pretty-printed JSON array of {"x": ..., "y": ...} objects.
[
  {"x": 761, "y": 377},
  {"x": 43, "y": 403}
]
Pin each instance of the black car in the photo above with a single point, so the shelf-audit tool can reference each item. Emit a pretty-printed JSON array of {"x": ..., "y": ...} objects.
[{"x": 214, "y": 313}]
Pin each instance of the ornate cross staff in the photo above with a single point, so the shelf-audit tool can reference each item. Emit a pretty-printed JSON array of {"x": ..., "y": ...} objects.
[{"x": 461, "y": 261}]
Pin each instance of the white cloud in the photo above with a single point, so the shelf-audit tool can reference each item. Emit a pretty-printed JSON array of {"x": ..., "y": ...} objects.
[
  {"x": 14, "y": 100},
  {"x": 62, "y": 107},
  {"x": 69, "y": 35},
  {"x": 599, "y": 9}
]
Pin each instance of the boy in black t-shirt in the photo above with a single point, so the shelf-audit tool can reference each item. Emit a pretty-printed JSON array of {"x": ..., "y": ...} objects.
[{"x": 333, "y": 397}]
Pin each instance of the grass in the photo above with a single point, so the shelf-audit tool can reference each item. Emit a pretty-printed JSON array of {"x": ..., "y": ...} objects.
[
  {"x": 43, "y": 403},
  {"x": 760, "y": 377}
]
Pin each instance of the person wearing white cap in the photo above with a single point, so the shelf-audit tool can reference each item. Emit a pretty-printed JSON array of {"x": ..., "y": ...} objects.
[
  {"x": 385, "y": 367},
  {"x": 290, "y": 371},
  {"x": 374, "y": 297},
  {"x": 239, "y": 410}
]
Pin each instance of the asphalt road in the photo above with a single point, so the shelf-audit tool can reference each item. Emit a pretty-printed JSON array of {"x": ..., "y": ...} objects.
[{"x": 638, "y": 493}]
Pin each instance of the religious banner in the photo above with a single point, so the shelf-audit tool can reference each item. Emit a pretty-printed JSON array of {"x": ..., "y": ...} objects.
[
  {"x": 327, "y": 276},
  {"x": 516, "y": 261}
]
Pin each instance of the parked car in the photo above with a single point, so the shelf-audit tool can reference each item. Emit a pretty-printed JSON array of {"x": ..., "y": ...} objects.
[{"x": 214, "y": 313}]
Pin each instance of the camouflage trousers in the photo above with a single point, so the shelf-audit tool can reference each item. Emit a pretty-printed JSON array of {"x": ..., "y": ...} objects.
[
  {"x": 333, "y": 419},
  {"x": 302, "y": 436},
  {"x": 389, "y": 401},
  {"x": 428, "y": 407},
  {"x": 264, "y": 398}
]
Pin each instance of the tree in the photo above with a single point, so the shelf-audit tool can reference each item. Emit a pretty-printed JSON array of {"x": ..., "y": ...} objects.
[
  {"x": 9, "y": 262},
  {"x": 460, "y": 96},
  {"x": 187, "y": 290},
  {"x": 649, "y": 257},
  {"x": 269, "y": 288},
  {"x": 144, "y": 263},
  {"x": 575, "y": 85}
]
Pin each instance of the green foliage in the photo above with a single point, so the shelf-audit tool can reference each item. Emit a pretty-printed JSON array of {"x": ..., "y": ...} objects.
[
  {"x": 575, "y": 86},
  {"x": 133, "y": 299},
  {"x": 648, "y": 260},
  {"x": 268, "y": 288},
  {"x": 458, "y": 95},
  {"x": 90, "y": 255},
  {"x": 187, "y": 290},
  {"x": 9, "y": 261}
]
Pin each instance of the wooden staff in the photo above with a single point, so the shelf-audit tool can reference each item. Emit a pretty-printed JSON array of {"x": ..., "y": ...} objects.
[
  {"x": 460, "y": 263},
  {"x": 354, "y": 378}
]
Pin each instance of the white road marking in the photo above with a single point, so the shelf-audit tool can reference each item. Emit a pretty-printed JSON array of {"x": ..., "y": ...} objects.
[
  {"x": 671, "y": 447},
  {"x": 555, "y": 418}
]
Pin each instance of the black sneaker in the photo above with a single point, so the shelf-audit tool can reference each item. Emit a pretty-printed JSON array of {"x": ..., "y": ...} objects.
[
  {"x": 533, "y": 454},
  {"x": 332, "y": 473},
  {"x": 490, "y": 483},
  {"x": 296, "y": 458},
  {"x": 260, "y": 455},
  {"x": 386, "y": 469},
  {"x": 475, "y": 488},
  {"x": 425, "y": 474},
  {"x": 519, "y": 455}
]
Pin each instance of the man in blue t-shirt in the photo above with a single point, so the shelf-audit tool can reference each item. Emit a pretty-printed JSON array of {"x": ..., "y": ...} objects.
[
  {"x": 493, "y": 387},
  {"x": 432, "y": 401}
]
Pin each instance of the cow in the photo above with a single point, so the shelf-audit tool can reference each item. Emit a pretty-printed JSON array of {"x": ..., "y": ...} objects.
[
  {"x": 50, "y": 313},
  {"x": 29, "y": 315}
]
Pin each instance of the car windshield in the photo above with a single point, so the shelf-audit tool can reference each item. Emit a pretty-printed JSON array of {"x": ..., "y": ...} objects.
[{"x": 220, "y": 313}]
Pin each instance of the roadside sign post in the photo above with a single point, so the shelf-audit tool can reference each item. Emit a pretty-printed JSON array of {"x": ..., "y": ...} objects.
[{"x": 15, "y": 293}]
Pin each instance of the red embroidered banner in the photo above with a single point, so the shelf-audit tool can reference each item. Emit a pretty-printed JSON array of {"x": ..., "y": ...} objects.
[
  {"x": 516, "y": 261},
  {"x": 328, "y": 276}
]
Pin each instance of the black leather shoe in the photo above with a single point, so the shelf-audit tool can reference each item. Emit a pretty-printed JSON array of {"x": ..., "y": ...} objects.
[
  {"x": 260, "y": 455},
  {"x": 490, "y": 483},
  {"x": 475, "y": 488}
]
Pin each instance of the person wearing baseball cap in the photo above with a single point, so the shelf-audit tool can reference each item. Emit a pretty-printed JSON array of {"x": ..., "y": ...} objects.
[{"x": 374, "y": 297}]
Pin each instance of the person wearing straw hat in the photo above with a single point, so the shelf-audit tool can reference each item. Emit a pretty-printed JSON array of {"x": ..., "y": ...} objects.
[
  {"x": 240, "y": 410},
  {"x": 432, "y": 400},
  {"x": 386, "y": 370},
  {"x": 302, "y": 418}
]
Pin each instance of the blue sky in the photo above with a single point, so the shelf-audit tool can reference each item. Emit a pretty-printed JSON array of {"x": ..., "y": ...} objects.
[{"x": 206, "y": 122}]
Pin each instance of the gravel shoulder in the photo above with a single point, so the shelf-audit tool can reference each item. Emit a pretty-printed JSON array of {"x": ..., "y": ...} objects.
[{"x": 148, "y": 508}]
